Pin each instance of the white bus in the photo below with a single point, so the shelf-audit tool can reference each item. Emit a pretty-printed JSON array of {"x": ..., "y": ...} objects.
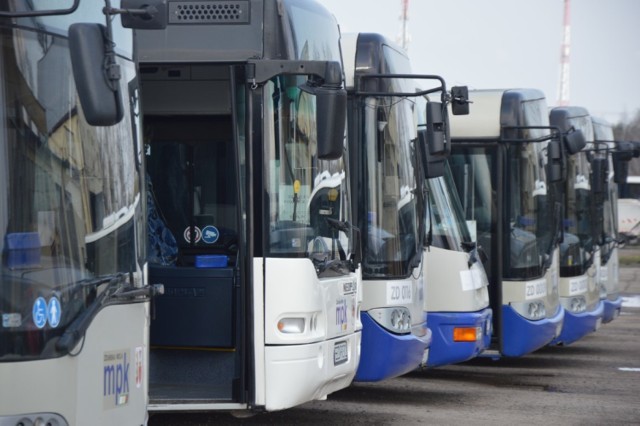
[
  {"x": 390, "y": 197},
  {"x": 457, "y": 302},
  {"x": 73, "y": 303},
  {"x": 503, "y": 159},
  {"x": 387, "y": 207},
  {"x": 619, "y": 155},
  {"x": 583, "y": 218},
  {"x": 244, "y": 121},
  {"x": 629, "y": 205},
  {"x": 236, "y": 199}
]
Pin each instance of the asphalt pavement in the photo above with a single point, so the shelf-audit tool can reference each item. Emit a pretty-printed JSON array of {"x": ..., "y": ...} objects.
[{"x": 594, "y": 381}]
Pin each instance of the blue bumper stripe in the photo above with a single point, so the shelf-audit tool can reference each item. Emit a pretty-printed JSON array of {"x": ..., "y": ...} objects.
[
  {"x": 521, "y": 336},
  {"x": 612, "y": 309},
  {"x": 443, "y": 349},
  {"x": 576, "y": 326},
  {"x": 385, "y": 355}
]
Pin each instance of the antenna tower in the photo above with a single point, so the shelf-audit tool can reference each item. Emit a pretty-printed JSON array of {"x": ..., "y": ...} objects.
[
  {"x": 404, "y": 37},
  {"x": 563, "y": 89}
]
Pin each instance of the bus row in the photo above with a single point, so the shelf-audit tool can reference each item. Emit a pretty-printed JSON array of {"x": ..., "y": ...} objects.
[{"x": 229, "y": 205}]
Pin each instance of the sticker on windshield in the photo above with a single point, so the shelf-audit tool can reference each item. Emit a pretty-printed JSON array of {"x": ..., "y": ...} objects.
[
  {"x": 54, "y": 312},
  {"x": 210, "y": 234},
  {"x": 39, "y": 312},
  {"x": 11, "y": 320},
  {"x": 187, "y": 234}
]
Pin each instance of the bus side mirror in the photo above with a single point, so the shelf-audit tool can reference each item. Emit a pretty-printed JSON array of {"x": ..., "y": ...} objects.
[
  {"x": 436, "y": 128},
  {"x": 460, "y": 100},
  {"x": 574, "y": 141},
  {"x": 144, "y": 14},
  {"x": 95, "y": 75},
  {"x": 554, "y": 161},
  {"x": 331, "y": 112},
  {"x": 621, "y": 156}
]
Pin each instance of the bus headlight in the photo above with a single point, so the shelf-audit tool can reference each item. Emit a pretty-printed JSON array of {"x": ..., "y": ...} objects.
[
  {"x": 395, "y": 319},
  {"x": 574, "y": 304},
  {"x": 533, "y": 310},
  {"x": 291, "y": 325}
]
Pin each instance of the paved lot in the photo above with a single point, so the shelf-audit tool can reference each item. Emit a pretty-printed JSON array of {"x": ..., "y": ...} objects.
[{"x": 594, "y": 381}]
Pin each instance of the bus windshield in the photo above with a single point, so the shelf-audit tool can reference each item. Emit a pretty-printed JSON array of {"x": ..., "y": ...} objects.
[
  {"x": 308, "y": 203},
  {"x": 578, "y": 220},
  {"x": 531, "y": 211},
  {"x": 70, "y": 197},
  {"x": 449, "y": 230},
  {"x": 391, "y": 206}
]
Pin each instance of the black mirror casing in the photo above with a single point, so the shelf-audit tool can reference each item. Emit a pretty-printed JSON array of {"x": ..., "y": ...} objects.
[
  {"x": 331, "y": 113},
  {"x": 101, "y": 102}
]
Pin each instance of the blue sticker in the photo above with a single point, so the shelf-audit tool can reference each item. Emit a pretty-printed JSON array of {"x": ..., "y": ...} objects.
[
  {"x": 39, "y": 312},
  {"x": 54, "y": 312},
  {"x": 210, "y": 234}
]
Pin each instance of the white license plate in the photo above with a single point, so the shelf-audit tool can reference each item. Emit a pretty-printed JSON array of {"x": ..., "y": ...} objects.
[{"x": 340, "y": 353}]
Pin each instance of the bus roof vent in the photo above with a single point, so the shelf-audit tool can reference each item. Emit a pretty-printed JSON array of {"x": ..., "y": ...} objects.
[{"x": 207, "y": 12}]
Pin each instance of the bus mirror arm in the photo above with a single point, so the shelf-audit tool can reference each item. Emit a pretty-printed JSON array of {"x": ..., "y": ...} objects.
[{"x": 141, "y": 14}]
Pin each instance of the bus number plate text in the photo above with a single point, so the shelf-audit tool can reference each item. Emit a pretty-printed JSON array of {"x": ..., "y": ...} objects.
[{"x": 340, "y": 353}]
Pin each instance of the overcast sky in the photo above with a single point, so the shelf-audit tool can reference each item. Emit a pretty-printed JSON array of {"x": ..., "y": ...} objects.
[{"x": 516, "y": 43}]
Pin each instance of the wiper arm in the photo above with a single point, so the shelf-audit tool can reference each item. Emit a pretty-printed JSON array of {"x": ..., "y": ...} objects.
[
  {"x": 113, "y": 292},
  {"x": 338, "y": 225}
]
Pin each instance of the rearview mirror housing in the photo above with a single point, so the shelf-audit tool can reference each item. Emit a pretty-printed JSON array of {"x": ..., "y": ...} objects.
[
  {"x": 574, "y": 141},
  {"x": 99, "y": 92}
]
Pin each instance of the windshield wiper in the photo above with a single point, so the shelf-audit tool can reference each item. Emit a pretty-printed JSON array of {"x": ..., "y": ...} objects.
[{"x": 116, "y": 291}]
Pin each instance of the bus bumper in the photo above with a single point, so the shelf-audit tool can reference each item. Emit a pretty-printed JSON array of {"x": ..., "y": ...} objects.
[
  {"x": 385, "y": 355},
  {"x": 316, "y": 362},
  {"x": 444, "y": 350},
  {"x": 576, "y": 326},
  {"x": 521, "y": 336},
  {"x": 612, "y": 309}
]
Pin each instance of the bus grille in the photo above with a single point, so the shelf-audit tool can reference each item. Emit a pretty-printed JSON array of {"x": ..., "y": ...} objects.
[{"x": 207, "y": 12}]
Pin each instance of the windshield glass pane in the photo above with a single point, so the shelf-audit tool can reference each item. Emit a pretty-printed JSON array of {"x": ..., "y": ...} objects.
[
  {"x": 528, "y": 211},
  {"x": 449, "y": 229},
  {"x": 391, "y": 205},
  {"x": 307, "y": 197},
  {"x": 577, "y": 223},
  {"x": 534, "y": 210},
  {"x": 70, "y": 196},
  {"x": 471, "y": 169}
]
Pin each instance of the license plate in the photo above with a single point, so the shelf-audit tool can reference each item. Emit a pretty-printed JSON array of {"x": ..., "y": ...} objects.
[{"x": 340, "y": 353}]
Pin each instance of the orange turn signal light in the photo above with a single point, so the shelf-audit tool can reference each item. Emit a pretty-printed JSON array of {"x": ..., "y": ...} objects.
[{"x": 466, "y": 334}]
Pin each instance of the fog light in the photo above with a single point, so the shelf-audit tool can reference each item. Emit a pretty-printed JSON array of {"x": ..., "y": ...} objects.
[
  {"x": 396, "y": 319},
  {"x": 291, "y": 325},
  {"x": 578, "y": 304},
  {"x": 533, "y": 310}
]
